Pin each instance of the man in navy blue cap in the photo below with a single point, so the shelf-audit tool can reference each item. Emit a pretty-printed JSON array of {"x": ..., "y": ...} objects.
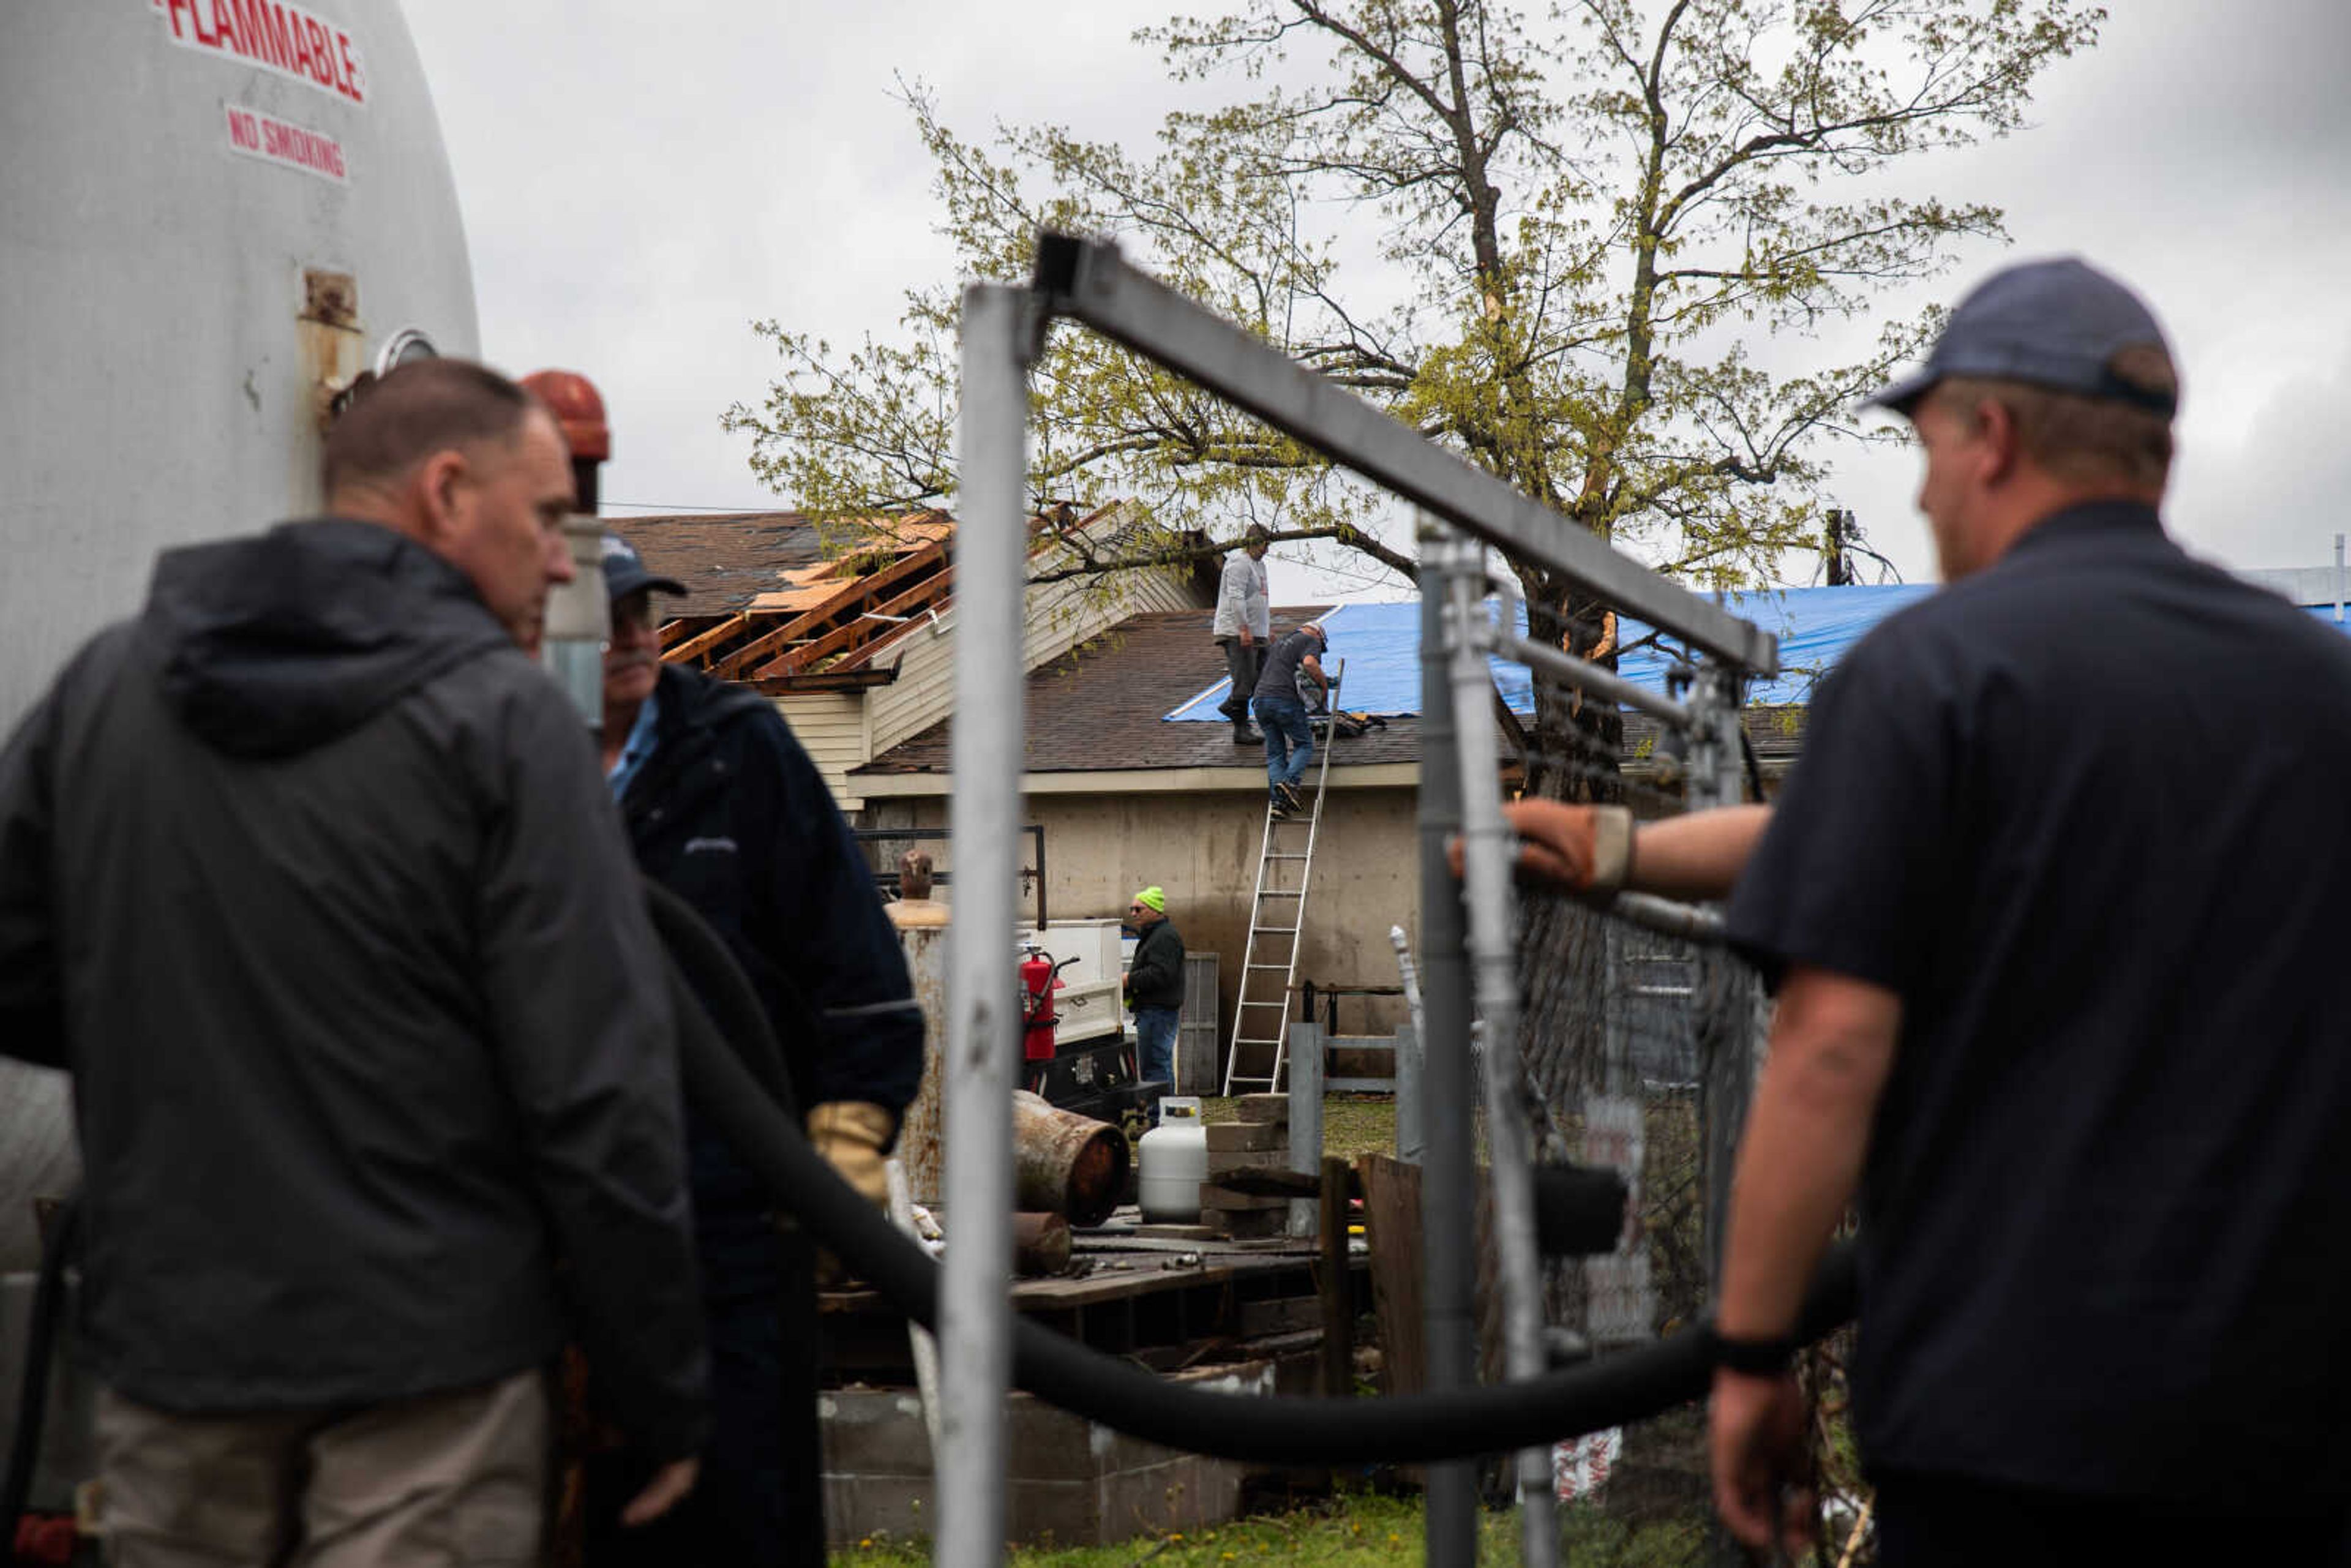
[
  {"x": 725, "y": 808},
  {"x": 2049, "y": 903}
]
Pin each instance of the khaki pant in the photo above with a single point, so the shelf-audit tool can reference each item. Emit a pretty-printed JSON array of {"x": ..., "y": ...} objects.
[{"x": 444, "y": 1480}]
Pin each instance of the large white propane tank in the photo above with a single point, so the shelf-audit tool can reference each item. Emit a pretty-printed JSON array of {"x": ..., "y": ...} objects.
[
  {"x": 213, "y": 216},
  {"x": 1174, "y": 1164}
]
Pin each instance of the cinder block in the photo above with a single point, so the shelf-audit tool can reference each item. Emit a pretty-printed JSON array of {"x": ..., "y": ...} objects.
[
  {"x": 1250, "y": 1224},
  {"x": 1214, "y": 1198},
  {"x": 1043, "y": 1443},
  {"x": 1069, "y": 1512},
  {"x": 875, "y": 1432},
  {"x": 1162, "y": 1497},
  {"x": 1250, "y": 1137},
  {"x": 1265, "y": 1110},
  {"x": 1258, "y": 1160},
  {"x": 856, "y": 1507}
]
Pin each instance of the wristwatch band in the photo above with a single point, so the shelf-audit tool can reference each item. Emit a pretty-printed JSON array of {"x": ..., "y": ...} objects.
[{"x": 1754, "y": 1358}]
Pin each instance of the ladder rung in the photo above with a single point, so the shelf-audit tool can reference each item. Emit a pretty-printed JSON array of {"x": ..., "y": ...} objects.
[
  {"x": 1277, "y": 968},
  {"x": 1281, "y": 892},
  {"x": 1251, "y": 1039},
  {"x": 1285, "y": 857},
  {"x": 1274, "y": 930},
  {"x": 1246, "y": 1003}
]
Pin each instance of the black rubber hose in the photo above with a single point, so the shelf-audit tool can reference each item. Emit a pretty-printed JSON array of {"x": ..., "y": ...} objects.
[
  {"x": 705, "y": 979},
  {"x": 720, "y": 991},
  {"x": 32, "y": 1393},
  {"x": 1409, "y": 1429}
]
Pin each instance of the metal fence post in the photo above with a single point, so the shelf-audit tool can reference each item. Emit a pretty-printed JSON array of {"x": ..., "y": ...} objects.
[
  {"x": 1726, "y": 1073},
  {"x": 1411, "y": 1130},
  {"x": 1486, "y": 853},
  {"x": 1448, "y": 1174},
  {"x": 1305, "y": 1118},
  {"x": 983, "y": 1028}
]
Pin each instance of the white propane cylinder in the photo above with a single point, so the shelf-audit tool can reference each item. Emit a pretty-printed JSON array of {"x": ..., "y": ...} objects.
[
  {"x": 1174, "y": 1164},
  {"x": 211, "y": 215}
]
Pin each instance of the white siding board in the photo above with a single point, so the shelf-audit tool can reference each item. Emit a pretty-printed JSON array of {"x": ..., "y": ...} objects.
[{"x": 831, "y": 727}]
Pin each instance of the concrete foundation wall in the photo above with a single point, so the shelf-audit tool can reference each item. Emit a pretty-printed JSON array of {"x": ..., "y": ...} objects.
[
  {"x": 1068, "y": 1480},
  {"x": 1202, "y": 846}
]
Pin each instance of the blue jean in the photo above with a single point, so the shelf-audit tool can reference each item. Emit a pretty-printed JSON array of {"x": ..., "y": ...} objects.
[
  {"x": 1289, "y": 739},
  {"x": 1154, "y": 1043}
]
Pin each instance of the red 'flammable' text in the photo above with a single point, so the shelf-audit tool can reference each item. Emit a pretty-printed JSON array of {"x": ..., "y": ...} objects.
[{"x": 279, "y": 38}]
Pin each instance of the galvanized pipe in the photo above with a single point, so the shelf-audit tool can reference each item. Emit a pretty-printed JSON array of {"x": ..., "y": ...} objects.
[
  {"x": 1488, "y": 850},
  {"x": 1690, "y": 922},
  {"x": 1411, "y": 1130},
  {"x": 1306, "y": 1049},
  {"x": 984, "y": 1025},
  {"x": 1448, "y": 1172},
  {"x": 1726, "y": 1075},
  {"x": 1577, "y": 672},
  {"x": 1089, "y": 280}
]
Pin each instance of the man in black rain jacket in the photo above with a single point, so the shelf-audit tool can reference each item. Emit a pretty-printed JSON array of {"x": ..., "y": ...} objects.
[{"x": 307, "y": 877}]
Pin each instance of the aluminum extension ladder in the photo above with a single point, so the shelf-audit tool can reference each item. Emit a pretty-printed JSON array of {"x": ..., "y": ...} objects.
[{"x": 1276, "y": 920}]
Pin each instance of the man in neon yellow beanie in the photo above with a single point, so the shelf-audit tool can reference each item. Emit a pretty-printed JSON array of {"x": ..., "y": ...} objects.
[{"x": 1154, "y": 985}]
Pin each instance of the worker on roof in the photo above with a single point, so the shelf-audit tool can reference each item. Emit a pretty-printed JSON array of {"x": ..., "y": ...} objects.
[
  {"x": 1243, "y": 627},
  {"x": 1289, "y": 734}
]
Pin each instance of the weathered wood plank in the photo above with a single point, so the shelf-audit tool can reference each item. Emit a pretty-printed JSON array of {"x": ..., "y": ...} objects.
[
  {"x": 1335, "y": 1283},
  {"x": 1392, "y": 1219}
]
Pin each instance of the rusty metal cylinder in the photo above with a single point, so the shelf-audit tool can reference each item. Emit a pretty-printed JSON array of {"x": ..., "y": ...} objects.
[
  {"x": 1064, "y": 1163},
  {"x": 1040, "y": 1245}
]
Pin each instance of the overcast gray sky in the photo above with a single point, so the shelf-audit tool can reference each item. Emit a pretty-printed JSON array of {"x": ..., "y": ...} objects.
[{"x": 640, "y": 185}]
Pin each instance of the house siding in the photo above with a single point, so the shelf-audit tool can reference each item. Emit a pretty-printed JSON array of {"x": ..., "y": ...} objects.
[
  {"x": 831, "y": 727},
  {"x": 1058, "y": 617},
  {"x": 1203, "y": 849}
]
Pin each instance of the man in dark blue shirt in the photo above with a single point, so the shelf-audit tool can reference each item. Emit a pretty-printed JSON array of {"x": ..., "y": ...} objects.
[
  {"x": 1289, "y": 734},
  {"x": 2050, "y": 903}
]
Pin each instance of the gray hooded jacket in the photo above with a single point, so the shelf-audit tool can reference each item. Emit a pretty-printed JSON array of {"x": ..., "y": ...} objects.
[{"x": 310, "y": 879}]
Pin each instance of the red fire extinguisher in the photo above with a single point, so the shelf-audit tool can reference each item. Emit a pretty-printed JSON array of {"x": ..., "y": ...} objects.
[{"x": 1040, "y": 978}]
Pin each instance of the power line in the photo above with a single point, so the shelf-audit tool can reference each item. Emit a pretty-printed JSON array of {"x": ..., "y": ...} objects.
[{"x": 682, "y": 507}]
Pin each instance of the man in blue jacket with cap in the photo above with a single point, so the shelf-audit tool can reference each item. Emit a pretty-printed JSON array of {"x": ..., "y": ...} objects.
[{"x": 726, "y": 809}]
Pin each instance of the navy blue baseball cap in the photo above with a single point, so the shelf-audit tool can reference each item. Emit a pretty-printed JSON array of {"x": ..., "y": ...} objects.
[
  {"x": 625, "y": 571},
  {"x": 2056, "y": 324}
]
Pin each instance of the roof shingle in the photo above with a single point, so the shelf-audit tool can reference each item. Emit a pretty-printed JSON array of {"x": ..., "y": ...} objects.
[
  {"x": 724, "y": 560},
  {"x": 1097, "y": 708}
]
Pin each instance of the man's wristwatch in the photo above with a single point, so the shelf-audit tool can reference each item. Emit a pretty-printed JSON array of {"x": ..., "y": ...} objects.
[{"x": 1753, "y": 1357}]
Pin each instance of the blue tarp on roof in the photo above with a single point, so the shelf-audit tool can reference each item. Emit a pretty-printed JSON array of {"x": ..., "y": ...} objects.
[{"x": 1380, "y": 646}]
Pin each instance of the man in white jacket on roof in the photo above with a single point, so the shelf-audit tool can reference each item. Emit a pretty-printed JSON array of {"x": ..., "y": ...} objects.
[{"x": 1244, "y": 622}]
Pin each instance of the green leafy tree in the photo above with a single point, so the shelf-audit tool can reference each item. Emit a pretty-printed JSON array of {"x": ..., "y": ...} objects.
[{"x": 1566, "y": 246}]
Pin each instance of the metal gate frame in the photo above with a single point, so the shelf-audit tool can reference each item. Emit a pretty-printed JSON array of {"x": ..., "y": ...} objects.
[{"x": 1087, "y": 281}]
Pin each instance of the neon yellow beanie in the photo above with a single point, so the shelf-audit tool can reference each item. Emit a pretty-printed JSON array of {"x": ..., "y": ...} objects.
[{"x": 1154, "y": 899}]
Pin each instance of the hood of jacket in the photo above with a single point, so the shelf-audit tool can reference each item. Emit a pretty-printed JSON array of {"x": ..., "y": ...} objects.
[
  {"x": 691, "y": 700},
  {"x": 275, "y": 644}
]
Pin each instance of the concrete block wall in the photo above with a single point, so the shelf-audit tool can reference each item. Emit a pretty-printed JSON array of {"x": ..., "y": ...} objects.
[{"x": 1068, "y": 1479}]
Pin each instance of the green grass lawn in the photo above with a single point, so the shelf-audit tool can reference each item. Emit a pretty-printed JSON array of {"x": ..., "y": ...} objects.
[
  {"x": 1362, "y": 1530},
  {"x": 1352, "y": 1123}
]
